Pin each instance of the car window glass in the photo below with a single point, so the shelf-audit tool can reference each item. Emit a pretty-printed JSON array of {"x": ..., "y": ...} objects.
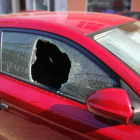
[
  {"x": 115, "y": 42},
  {"x": 85, "y": 76},
  {"x": 52, "y": 63},
  {"x": 17, "y": 51}
]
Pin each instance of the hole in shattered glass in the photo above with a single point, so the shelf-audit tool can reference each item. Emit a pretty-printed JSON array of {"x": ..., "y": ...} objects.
[{"x": 51, "y": 67}]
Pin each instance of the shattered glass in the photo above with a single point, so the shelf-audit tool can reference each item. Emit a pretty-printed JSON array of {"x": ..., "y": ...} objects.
[
  {"x": 18, "y": 54},
  {"x": 85, "y": 76}
]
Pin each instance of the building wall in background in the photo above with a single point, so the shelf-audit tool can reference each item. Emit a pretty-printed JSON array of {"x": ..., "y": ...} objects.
[
  {"x": 77, "y": 5},
  {"x": 14, "y": 6},
  {"x": 135, "y": 5}
]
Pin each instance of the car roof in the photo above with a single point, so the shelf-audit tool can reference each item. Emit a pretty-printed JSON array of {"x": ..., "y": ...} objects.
[{"x": 84, "y": 22}]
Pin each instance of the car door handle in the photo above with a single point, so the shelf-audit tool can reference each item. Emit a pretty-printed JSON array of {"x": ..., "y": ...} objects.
[{"x": 3, "y": 106}]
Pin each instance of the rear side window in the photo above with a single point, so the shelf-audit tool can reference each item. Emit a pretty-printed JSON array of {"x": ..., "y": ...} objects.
[{"x": 52, "y": 63}]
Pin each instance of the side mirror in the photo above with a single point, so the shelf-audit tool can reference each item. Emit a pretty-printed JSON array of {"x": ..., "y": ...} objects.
[{"x": 111, "y": 103}]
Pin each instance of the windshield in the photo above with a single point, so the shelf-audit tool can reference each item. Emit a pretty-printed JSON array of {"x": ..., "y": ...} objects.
[{"x": 124, "y": 42}]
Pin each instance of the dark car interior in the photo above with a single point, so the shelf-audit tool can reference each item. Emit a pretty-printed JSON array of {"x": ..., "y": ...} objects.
[{"x": 51, "y": 67}]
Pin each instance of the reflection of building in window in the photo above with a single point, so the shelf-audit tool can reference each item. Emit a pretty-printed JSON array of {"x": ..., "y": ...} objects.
[
  {"x": 38, "y": 5},
  {"x": 42, "y": 5},
  {"x": 117, "y": 5},
  {"x": 108, "y": 6},
  {"x": 5, "y": 6},
  {"x": 126, "y": 5}
]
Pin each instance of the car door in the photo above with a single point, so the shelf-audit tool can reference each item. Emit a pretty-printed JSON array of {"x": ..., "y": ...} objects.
[{"x": 41, "y": 110}]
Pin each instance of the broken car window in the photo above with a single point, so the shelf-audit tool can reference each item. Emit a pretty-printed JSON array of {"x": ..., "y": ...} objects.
[
  {"x": 51, "y": 67},
  {"x": 52, "y": 63}
]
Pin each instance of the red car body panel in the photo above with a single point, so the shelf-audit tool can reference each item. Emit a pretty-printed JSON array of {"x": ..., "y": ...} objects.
[
  {"x": 82, "y": 22},
  {"x": 62, "y": 115},
  {"x": 49, "y": 114}
]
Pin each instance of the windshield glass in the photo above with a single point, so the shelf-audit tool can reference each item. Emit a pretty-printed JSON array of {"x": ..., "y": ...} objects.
[{"x": 123, "y": 42}]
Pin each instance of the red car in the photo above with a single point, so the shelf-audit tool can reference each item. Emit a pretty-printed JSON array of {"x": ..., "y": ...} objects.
[{"x": 69, "y": 76}]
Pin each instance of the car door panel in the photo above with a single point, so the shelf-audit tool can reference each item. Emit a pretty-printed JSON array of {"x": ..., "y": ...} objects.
[
  {"x": 34, "y": 113},
  {"x": 37, "y": 103}
]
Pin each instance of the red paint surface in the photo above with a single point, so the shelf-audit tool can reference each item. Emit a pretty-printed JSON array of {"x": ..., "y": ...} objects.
[
  {"x": 82, "y": 22},
  {"x": 112, "y": 103},
  {"x": 38, "y": 114}
]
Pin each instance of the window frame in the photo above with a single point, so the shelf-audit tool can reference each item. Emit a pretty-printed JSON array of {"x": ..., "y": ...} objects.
[{"x": 74, "y": 45}]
